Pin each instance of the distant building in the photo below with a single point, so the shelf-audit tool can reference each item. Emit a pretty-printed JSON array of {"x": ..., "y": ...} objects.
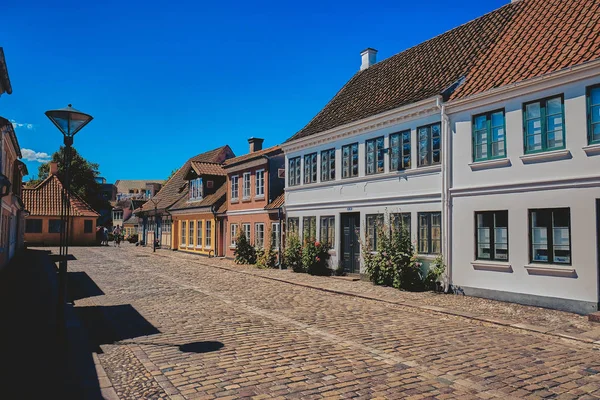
[
  {"x": 137, "y": 189},
  {"x": 43, "y": 224}
]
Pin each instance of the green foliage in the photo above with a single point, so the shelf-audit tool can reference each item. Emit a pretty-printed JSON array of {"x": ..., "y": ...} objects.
[
  {"x": 315, "y": 258},
  {"x": 244, "y": 252},
  {"x": 267, "y": 256},
  {"x": 83, "y": 176},
  {"x": 435, "y": 272},
  {"x": 293, "y": 253},
  {"x": 394, "y": 262}
]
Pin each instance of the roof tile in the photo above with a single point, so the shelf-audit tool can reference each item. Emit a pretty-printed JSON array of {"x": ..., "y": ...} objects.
[{"x": 45, "y": 200}]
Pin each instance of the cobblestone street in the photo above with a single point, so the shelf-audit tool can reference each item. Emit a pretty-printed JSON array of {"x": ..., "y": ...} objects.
[{"x": 169, "y": 325}]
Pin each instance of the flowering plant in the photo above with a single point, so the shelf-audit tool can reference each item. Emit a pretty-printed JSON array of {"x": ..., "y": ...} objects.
[{"x": 315, "y": 258}]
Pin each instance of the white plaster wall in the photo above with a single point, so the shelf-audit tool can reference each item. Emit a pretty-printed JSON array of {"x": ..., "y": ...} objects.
[
  {"x": 583, "y": 243},
  {"x": 318, "y": 212},
  {"x": 579, "y": 165}
]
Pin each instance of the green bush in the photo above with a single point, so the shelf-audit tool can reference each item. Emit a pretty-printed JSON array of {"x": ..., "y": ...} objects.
[
  {"x": 133, "y": 238},
  {"x": 293, "y": 253},
  {"x": 315, "y": 258},
  {"x": 435, "y": 272},
  {"x": 266, "y": 257},
  {"x": 244, "y": 252}
]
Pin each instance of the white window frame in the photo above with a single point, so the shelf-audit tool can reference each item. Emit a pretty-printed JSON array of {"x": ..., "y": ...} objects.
[
  {"x": 183, "y": 233},
  {"x": 196, "y": 189},
  {"x": 246, "y": 186},
  {"x": 260, "y": 183},
  {"x": 234, "y": 234},
  {"x": 199, "y": 232},
  {"x": 235, "y": 188},
  {"x": 275, "y": 235},
  {"x": 208, "y": 234},
  {"x": 191, "y": 232},
  {"x": 247, "y": 232},
  {"x": 260, "y": 244}
]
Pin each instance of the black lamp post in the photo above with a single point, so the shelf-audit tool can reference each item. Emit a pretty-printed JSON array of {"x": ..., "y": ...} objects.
[
  {"x": 69, "y": 121},
  {"x": 155, "y": 240}
]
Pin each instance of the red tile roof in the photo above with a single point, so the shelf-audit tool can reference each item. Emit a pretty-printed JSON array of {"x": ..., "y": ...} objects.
[
  {"x": 45, "y": 200},
  {"x": 270, "y": 151},
  {"x": 522, "y": 40},
  {"x": 213, "y": 199},
  {"x": 277, "y": 203},
  {"x": 203, "y": 168},
  {"x": 177, "y": 186}
]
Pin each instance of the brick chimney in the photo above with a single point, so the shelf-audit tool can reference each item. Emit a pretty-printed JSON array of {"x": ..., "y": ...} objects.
[
  {"x": 53, "y": 168},
  {"x": 255, "y": 144}
]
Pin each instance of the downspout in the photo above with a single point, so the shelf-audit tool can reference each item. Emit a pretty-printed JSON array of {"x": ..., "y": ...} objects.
[
  {"x": 280, "y": 213},
  {"x": 446, "y": 201},
  {"x": 217, "y": 233}
]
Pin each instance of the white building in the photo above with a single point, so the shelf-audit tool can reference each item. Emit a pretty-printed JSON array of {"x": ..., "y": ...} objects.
[{"x": 455, "y": 101}]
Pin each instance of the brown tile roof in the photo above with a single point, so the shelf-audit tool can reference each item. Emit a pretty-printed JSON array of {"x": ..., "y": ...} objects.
[
  {"x": 521, "y": 40},
  {"x": 203, "y": 168},
  {"x": 269, "y": 151},
  {"x": 45, "y": 200},
  {"x": 176, "y": 187},
  {"x": 277, "y": 203},
  {"x": 210, "y": 200}
]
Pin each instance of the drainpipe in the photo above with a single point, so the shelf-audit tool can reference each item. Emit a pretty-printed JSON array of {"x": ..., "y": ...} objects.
[{"x": 446, "y": 201}]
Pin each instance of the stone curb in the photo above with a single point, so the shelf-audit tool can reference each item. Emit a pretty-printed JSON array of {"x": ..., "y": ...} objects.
[
  {"x": 440, "y": 310},
  {"x": 106, "y": 386}
]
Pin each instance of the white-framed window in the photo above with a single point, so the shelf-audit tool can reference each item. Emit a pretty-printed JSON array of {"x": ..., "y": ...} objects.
[
  {"x": 246, "y": 186},
  {"x": 191, "y": 233},
  {"x": 234, "y": 234},
  {"x": 183, "y": 230},
  {"x": 259, "y": 232},
  {"x": 246, "y": 228},
  {"x": 199, "y": 233},
  {"x": 208, "y": 235},
  {"x": 260, "y": 183},
  {"x": 275, "y": 235},
  {"x": 196, "y": 189},
  {"x": 234, "y": 188},
  {"x": 328, "y": 230}
]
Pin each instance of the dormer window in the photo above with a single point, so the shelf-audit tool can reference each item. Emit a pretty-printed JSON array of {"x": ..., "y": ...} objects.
[{"x": 196, "y": 189}]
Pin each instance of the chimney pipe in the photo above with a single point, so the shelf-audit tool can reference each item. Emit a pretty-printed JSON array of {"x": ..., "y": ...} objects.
[
  {"x": 255, "y": 144},
  {"x": 53, "y": 168},
  {"x": 369, "y": 57}
]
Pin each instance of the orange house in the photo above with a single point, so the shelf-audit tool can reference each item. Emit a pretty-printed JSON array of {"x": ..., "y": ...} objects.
[
  {"x": 255, "y": 196},
  {"x": 43, "y": 224}
]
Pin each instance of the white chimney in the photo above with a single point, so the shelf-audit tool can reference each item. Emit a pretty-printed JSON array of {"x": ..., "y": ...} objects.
[{"x": 369, "y": 57}]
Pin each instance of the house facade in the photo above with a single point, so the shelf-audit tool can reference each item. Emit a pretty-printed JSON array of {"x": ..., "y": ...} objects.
[
  {"x": 198, "y": 218},
  {"x": 12, "y": 211},
  {"x": 156, "y": 221},
  {"x": 43, "y": 223},
  {"x": 255, "y": 196},
  {"x": 484, "y": 141}
]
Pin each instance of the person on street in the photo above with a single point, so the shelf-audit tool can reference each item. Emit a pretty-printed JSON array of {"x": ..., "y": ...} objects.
[
  {"x": 105, "y": 236},
  {"x": 117, "y": 234}
]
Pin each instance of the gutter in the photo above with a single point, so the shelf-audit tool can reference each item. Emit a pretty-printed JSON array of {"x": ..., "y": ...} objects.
[{"x": 446, "y": 206}]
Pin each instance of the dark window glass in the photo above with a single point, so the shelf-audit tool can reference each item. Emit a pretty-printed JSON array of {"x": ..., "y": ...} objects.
[
  {"x": 310, "y": 168},
  {"x": 374, "y": 224},
  {"x": 430, "y": 233},
  {"x": 550, "y": 238},
  {"x": 88, "y": 226},
  {"x": 54, "y": 225},
  {"x": 429, "y": 138},
  {"x": 488, "y": 136},
  {"x": 400, "y": 145},
  {"x": 593, "y": 101},
  {"x": 350, "y": 160},
  {"x": 544, "y": 125},
  {"x": 33, "y": 225},
  {"x": 374, "y": 155},
  {"x": 309, "y": 228},
  {"x": 328, "y": 165},
  {"x": 294, "y": 171},
  {"x": 401, "y": 222},
  {"x": 491, "y": 239},
  {"x": 328, "y": 230}
]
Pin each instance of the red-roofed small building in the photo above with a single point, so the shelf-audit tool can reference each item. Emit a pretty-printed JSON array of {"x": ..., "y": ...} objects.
[
  {"x": 255, "y": 196},
  {"x": 43, "y": 224}
]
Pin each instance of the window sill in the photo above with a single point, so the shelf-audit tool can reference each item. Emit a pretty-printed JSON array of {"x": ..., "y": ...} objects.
[
  {"x": 234, "y": 201},
  {"x": 259, "y": 197},
  {"x": 496, "y": 266},
  {"x": 592, "y": 149},
  {"x": 428, "y": 257},
  {"x": 545, "y": 156},
  {"x": 551, "y": 270},
  {"x": 332, "y": 252},
  {"x": 246, "y": 200},
  {"x": 496, "y": 163}
]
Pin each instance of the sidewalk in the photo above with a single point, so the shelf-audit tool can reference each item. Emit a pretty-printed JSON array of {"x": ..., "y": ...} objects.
[
  {"x": 534, "y": 319},
  {"x": 34, "y": 363}
]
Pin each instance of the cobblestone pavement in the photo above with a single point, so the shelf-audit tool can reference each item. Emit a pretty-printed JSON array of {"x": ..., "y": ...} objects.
[{"x": 205, "y": 332}]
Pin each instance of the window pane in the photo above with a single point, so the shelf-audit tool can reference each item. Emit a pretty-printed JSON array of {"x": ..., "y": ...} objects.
[
  {"x": 533, "y": 110},
  {"x": 480, "y": 122},
  {"x": 554, "y": 106},
  {"x": 596, "y": 131},
  {"x": 595, "y": 114},
  {"x": 498, "y": 119}
]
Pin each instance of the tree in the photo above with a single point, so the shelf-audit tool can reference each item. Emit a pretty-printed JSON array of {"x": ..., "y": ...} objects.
[{"x": 83, "y": 175}]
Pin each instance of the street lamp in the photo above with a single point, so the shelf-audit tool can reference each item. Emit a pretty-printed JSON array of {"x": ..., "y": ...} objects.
[
  {"x": 154, "y": 240},
  {"x": 69, "y": 121}
]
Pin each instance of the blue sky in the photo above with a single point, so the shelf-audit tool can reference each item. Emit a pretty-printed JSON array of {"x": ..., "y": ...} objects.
[{"x": 168, "y": 80}]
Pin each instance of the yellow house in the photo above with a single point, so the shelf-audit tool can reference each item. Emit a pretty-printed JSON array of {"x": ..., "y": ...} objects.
[{"x": 198, "y": 217}]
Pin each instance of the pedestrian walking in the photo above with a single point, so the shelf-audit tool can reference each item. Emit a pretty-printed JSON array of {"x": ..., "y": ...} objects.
[
  {"x": 105, "y": 236},
  {"x": 117, "y": 235}
]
